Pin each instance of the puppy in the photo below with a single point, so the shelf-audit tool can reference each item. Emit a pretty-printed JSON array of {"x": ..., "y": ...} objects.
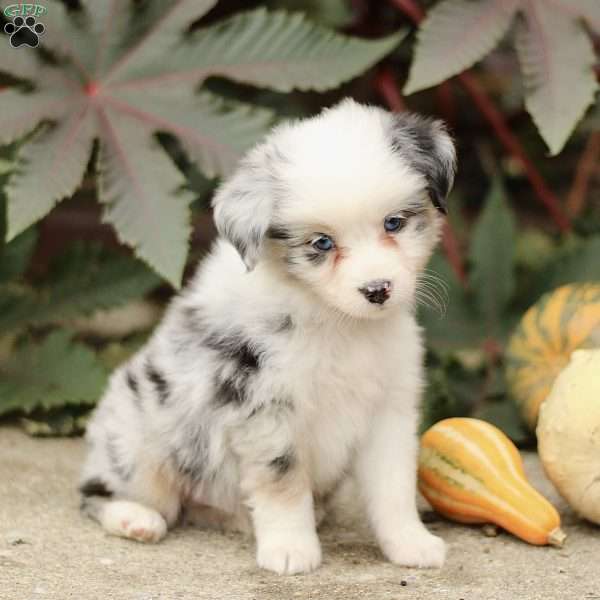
[{"x": 289, "y": 371}]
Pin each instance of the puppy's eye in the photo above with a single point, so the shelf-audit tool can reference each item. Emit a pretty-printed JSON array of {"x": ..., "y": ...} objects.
[
  {"x": 323, "y": 243},
  {"x": 396, "y": 223}
]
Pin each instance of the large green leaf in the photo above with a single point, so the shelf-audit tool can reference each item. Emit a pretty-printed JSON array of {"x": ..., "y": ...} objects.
[
  {"x": 332, "y": 13},
  {"x": 154, "y": 29},
  {"x": 451, "y": 390},
  {"x": 61, "y": 422},
  {"x": 273, "y": 49},
  {"x": 67, "y": 35},
  {"x": 58, "y": 155},
  {"x": 505, "y": 415},
  {"x": 578, "y": 261},
  {"x": 492, "y": 257},
  {"x": 557, "y": 61},
  {"x": 21, "y": 113},
  {"x": 457, "y": 327},
  {"x": 213, "y": 131},
  {"x": 135, "y": 177},
  {"x": 20, "y": 65},
  {"x": 123, "y": 71},
  {"x": 51, "y": 374},
  {"x": 86, "y": 279},
  {"x": 587, "y": 9},
  {"x": 555, "y": 52},
  {"x": 15, "y": 256},
  {"x": 454, "y": 36}
]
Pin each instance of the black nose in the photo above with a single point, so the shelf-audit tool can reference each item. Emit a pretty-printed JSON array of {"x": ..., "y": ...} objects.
[{"x": 377, "y": 291}]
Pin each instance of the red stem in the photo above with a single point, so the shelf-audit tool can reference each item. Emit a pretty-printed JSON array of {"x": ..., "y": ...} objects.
[
  {"x": 386, "y": 86},
  {"x": 411, "y": 9},
  {"x": 446, "y": 102},
  {"x": 513, "y": 145},
  {"x": 452, "y": 251},
  {"x": 587, "y": 165},
  {"x": 495, "y": 118}
]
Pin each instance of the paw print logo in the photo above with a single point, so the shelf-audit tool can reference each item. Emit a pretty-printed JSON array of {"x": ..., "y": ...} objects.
[{"x": 24, "y": 32}]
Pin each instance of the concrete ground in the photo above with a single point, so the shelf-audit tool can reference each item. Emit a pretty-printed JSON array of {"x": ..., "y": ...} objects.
[{"x": 48, "y": 551}]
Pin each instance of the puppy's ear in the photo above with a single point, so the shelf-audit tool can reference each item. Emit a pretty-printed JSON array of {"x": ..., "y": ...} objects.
[
  {"x": 426, "y": 145},
  {"x": 243, "y": 206}
]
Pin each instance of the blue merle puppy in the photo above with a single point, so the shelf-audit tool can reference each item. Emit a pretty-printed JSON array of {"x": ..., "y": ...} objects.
[{"x": 288, "y": 373}]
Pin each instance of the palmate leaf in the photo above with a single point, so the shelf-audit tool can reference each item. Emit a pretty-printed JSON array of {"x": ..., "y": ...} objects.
[
  {"x": 127, "y": 71},
  {"x": 492, "y": 257},
  {"x": 84, "y": 280},
  {"x": 135, "y": 175},
  {"x": 57, "y": 155},
  {"x": 458, "y": 327},
  {"x": 67, "y": 421},
  {"x": 20, "y": 65},
  {"x": 20, "y": 113},
  {"x": 155, "y": 30},
  {"x": 202, "y": 123},
  {"x": 15, "y": 256},
  {"x": 557, "y": 61},
  {"x": 589, "y": 10},
  {"x": 577, "y": 262},
  {"x": 556, "y": 54},
  {"x": 454, "y": 36},
  {"x": 333, "y": 13},
  {"x": 273, "y": 49},
  {"x": 52, "y": 374}
]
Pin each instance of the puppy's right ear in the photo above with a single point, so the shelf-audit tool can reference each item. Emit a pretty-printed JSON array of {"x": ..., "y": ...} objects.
[{"x": 243, "y": 206}]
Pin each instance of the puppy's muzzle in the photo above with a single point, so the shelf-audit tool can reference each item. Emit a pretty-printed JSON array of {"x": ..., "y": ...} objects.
[{"x": 377, "y": 291}]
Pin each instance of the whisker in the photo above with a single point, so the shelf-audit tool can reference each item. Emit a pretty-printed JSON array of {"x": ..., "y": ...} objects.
[
  {"x": 433, "y": 288},
  {"x": 428, "y": 302},
  {"x": 432, "y": 291}
]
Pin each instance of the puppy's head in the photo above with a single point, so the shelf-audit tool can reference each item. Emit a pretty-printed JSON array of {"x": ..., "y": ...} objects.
[{"x": 349, "y": 203}]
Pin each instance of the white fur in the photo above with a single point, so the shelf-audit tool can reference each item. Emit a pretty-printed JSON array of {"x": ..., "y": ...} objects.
[
  {"x": 134, "y": 521},
  {"x": 264, "y": 391}
]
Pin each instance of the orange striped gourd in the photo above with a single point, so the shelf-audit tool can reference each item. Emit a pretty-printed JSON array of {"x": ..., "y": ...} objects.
[
  {"x": 562, "y": 321},
  {"x": 470, "y": 472}
]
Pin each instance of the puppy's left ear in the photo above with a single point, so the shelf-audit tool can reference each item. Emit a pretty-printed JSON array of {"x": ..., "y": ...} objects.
[
  {"x": 427, "y": 146},
  {"x": 243, "y": 206}
]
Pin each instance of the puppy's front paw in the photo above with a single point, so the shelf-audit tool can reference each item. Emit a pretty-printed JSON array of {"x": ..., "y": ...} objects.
[
  {"x": 289, "y": 554},
  {"x": 134, "y": 521},
  {"x": 415, "y": 547}
]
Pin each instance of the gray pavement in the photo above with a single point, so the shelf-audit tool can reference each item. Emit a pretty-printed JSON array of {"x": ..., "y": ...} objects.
[{"x": 48, "y": 551}]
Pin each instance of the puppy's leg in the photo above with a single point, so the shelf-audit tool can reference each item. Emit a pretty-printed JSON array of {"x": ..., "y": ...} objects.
[
  {"x": 387, "y": 469},
  {"x": 140, "y": 507},
  {"x": 276, "y": 489},
  {"x": 126, "y": 519}
]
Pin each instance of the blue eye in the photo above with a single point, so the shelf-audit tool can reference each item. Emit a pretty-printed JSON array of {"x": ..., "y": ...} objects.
[
  {"x": 323, "y": 243},
  {"x": 392, "y": 224}
]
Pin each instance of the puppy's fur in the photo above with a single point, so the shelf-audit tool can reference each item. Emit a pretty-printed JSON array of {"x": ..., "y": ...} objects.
[{"x": 278, "y": 378}]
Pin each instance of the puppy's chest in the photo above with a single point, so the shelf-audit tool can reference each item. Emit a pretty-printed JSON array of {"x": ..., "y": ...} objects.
[{"x": 336, "y": 383}]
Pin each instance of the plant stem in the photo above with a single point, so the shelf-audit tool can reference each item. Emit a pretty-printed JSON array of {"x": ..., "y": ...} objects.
[
  {"x": 495, "y": 118},
  {"x": 411, "y": 9},
  {"x": 452, "y": 251},
  {"x": 513, "y": 145},
  {"x": 446, "y": 102},
  {"x": 586, "y": 167},
  {"x": 389, "y": 91}
]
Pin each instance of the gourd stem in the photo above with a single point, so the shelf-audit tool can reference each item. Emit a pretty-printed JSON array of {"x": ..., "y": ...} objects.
[{"x": 557, "y": 537}]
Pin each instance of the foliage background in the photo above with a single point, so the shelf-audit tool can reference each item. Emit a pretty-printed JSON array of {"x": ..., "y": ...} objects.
[{"x": 521, "y": 223}]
